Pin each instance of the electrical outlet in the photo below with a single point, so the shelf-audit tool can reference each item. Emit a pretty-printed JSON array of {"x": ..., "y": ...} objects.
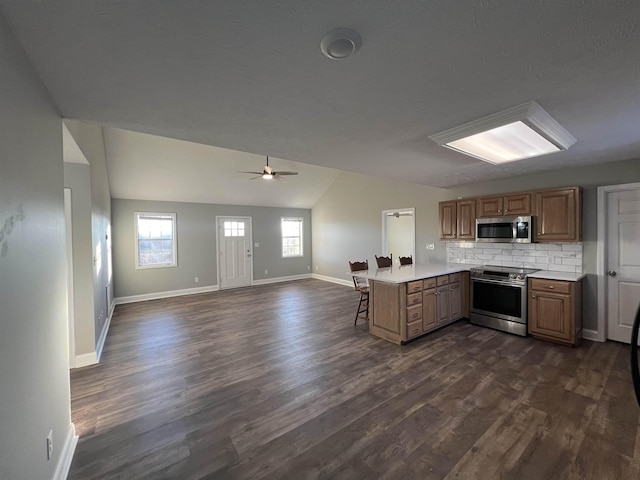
[
  {"x": 430, "y": 246},
  {"x": 266, "y": 272},
  {"x": 308, "y": 267},
  {"x": 50, "y": 445},
  {"x": 196, "y": 280},
  {"x": 257, "y": 245},
  {"x": 317, "y": 268}
]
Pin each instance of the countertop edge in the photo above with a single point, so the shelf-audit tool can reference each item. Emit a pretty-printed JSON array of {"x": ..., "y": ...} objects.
[{"x": 552, "y": 275}]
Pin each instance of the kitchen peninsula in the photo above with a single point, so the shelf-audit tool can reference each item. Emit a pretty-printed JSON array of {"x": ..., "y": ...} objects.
[{"x": 410, "y": 300}]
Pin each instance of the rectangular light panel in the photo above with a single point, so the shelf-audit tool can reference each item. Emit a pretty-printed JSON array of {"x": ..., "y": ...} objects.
[{"x": 507, "y": 143}]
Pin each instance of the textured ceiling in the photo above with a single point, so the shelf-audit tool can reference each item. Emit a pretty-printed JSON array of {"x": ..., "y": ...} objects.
[
  {"x": 249, "y": 75},
  {"x": 148, "y": 167}
]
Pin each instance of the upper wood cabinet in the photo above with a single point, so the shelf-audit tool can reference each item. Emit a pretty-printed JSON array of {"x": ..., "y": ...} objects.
[
  {"x": 558, "y": 214},
  {"x": 513, "y": 204},
  {"x": 448, "y": 220},
  {"x": 457, "y": 220},
  {"x": 466, "y": 219}
]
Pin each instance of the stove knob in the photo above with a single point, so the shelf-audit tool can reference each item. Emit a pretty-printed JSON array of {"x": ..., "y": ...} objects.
[
  {"x": 512, "y": 276},
  {"x": 519, "y": 277}
]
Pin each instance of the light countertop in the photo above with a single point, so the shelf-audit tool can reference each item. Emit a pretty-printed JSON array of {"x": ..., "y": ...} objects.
[
  {"x": 409, "y": 273},
  {"x": 551, "y": 275}
]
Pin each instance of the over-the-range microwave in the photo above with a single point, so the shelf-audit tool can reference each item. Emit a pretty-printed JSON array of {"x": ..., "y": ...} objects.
[{"x": 504, "y": 229}]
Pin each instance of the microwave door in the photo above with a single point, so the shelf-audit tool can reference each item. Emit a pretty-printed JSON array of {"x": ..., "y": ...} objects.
[{"x": 494, "y": 232}]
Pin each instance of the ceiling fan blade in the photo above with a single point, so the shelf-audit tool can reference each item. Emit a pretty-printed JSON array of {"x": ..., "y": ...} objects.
[
  {"x": 255, "y": 173},
  {"x": 285, "y": 173}
]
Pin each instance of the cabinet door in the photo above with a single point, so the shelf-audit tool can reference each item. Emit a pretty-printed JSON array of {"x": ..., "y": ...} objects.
[
  {"x": 558, "y": 214},
  {"x": 519, "y": 204},
  {"x": 550, "y": 315},
  {"x": 490, "y": 207},
  {"x": 456, "y": 301},
  {"x": 466, "y": 219},
  {"x": 429, "y": 309},
  {"x": 443, "y": 296},
  {"x": 448, "y": 220}
]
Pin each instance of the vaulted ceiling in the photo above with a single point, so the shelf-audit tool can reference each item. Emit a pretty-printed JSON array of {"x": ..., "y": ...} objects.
[{"x": 249, "y": 76}]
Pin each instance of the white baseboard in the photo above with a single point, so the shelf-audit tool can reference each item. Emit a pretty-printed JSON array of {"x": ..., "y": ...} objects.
[
  {"x": 339, "y": 281},
  {"x": 86, "y": 359},
  {"x": 105, "y": 330},
  {"x": 68, "y": 449},
  {"x": 594, "y": 335},
  {"x": 167, "y": 294},
  {"x": 266, "y": 281}
]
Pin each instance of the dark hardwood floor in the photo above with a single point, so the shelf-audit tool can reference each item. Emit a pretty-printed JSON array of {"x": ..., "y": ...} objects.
[{"x": 275, "y": 382}]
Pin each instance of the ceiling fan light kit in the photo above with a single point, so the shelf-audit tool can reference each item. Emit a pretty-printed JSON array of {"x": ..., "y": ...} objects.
[
  {"x": 269, "y": 173},
  {"x": 514, "y": 134}
]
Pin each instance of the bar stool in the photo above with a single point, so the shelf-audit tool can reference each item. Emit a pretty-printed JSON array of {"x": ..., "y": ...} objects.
[
  {"x": 361, "y": 285},
  {"x": 384, "y": 261},
  {"x": 406, "y": 260}
]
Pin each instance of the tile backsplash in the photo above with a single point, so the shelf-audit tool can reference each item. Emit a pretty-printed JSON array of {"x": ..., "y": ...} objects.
[{"x": 560, "y": 257}]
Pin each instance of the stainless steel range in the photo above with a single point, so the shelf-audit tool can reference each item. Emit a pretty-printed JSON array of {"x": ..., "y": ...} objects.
[{"x": 499, "y": 298}]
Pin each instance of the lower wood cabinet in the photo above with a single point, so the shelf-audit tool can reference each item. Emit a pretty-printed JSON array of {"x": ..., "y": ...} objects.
[
  {"x": 555, "y": 310},
  {"x": 400, "y": 312},
  {"x": 429, "y": 310}
]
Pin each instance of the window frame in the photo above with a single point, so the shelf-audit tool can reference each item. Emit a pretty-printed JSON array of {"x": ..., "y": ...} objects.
[
  {"x": 174, "y": 234},
  {"x": 282, "y": 237}
]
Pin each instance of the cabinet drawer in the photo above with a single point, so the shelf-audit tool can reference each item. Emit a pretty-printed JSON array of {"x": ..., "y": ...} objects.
[
  {"x": 414, "y": 329},
  {"x": 454, "y": 277},
  {"x": 414, "y": 299},
  {"x": 413, "y": 287},
  {"x": 429, "y": 283},
  {"x": 550, "y": 285},
  {"x": 414, "y": 313},
  {"x": 443, "y": 280}
]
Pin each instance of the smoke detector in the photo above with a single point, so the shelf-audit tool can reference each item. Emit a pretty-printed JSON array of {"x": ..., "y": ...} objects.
[{"x": 340, "y": 43}]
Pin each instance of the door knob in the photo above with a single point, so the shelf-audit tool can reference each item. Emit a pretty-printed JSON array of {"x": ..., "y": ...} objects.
[{"x": 612, "y": 273}]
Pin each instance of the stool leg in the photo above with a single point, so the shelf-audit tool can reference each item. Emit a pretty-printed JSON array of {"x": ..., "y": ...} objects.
[{"x": 358, "y": 310}]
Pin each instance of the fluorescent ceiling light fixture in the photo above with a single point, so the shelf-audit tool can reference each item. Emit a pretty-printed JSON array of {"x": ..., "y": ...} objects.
[{"x": 520, "y": 132}]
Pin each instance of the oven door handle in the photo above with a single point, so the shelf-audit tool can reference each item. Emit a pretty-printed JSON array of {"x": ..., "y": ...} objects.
[{"x": 499, "y": 282}]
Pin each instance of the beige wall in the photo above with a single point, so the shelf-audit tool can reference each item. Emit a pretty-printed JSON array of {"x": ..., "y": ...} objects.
[
  {"x": 34, "y": 367},
  {"x": 347, "y": 219}
]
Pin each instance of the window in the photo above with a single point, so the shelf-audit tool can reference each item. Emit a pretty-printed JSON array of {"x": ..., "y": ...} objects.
[
  {"x": 233, "y": 229},
  {"x": 291, "y": 237},
  {"x": 156, "y": 240}
]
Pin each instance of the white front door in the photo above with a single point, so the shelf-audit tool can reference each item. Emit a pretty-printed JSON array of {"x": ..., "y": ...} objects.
[
  {"x": 622, "y": 262},
  {"x": 234, "y": 240}
]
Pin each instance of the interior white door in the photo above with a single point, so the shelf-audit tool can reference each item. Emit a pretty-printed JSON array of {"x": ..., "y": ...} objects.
[
  {"x": 623, "y": 262},
  {"x": 234, "y": 240}
]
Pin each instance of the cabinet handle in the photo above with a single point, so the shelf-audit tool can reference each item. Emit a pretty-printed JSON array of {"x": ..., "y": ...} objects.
[
  {"x": 533, "y": 296},
  {"x": 551, "y": 287},
  {"x": 506, "y": 210},
  {"x": 499, "y": 211}
]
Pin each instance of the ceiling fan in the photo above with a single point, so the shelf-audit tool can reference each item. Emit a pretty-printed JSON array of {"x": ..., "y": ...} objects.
[{"x": 269, "y": 173}]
